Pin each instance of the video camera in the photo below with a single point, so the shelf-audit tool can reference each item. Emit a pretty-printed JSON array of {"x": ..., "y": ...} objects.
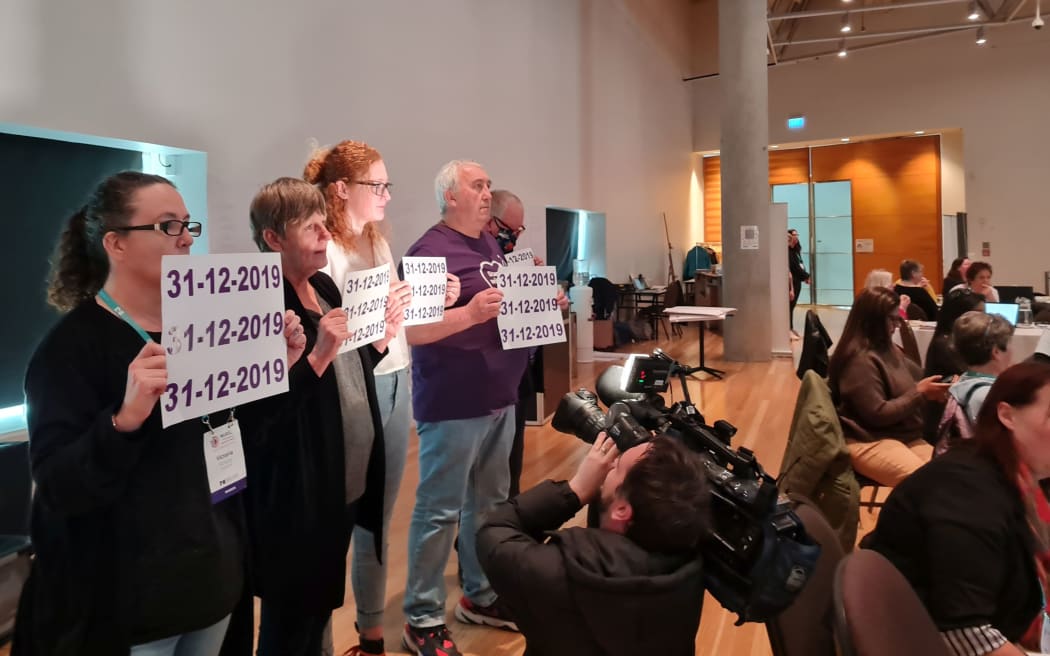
[{"x": 758, "y": 555}]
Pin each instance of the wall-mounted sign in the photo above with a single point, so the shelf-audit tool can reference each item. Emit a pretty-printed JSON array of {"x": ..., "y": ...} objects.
[{"x": 864, "y": 246}]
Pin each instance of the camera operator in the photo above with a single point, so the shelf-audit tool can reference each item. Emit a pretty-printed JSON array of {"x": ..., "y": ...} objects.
[{"x": 632, "y": 585}]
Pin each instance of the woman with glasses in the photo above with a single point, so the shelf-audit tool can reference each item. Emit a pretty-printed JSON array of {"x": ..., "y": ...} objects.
[
  {"x": 131, "y": 554},
  {"x": 878, "y": 392},
  {"x": 356, "y": 187}
]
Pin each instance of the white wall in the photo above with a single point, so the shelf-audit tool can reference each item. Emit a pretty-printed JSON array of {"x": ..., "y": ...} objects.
[
  {"x": 998, "y": 94},
  {"x": 567, "y": 102}
]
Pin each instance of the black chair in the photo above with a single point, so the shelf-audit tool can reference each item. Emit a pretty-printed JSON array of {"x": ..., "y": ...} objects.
[
  {"x": 806, "y": 627},
  {"x": 877, "y": 613},
  {"x": 605, "y": 298},
  {"x": 915, "y": 313},
  {"x": 16, "y": 489}
]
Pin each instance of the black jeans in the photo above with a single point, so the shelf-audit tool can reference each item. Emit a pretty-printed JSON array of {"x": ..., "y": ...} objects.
[
  {"x": 797, "y": 288},
  {"x": 285, "y": 631}
]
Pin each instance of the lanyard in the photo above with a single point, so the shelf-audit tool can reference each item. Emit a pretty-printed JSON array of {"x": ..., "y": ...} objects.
[{"x": 120, "y": 312}]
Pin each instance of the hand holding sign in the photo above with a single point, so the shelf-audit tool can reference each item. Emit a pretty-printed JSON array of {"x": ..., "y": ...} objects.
[
  {"x": 365, "y": 297},
  {"x": 225, "y": 332},
  {"x": 530, "y": 312},
  {"x": 147, "y": 378},
  {"x": 485, "y": 305}
]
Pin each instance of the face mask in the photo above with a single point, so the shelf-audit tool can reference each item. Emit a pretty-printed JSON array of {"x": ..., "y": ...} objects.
[{"x": 507, "y": 240}]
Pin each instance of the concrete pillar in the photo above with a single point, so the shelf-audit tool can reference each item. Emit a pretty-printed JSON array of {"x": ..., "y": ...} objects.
[{"x": 745, "y": 178}]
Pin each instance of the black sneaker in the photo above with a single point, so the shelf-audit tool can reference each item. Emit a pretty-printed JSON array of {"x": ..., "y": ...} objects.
[
  {"x": 495, "y": 614},
  {"x": 429, "y": 641}
]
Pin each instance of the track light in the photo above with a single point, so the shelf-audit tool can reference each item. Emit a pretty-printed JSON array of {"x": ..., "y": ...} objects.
[
  {"x": 974, "y": 13},
  {"x": 846, "y": 27},
  {"x": 981, "y": 40}
]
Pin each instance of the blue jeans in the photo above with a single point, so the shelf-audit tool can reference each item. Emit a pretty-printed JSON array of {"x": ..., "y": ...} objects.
[
  {"x": 463, "y": 473},
  {"x": 205, "y": 642},
  {"x": 367, "y": 574}
]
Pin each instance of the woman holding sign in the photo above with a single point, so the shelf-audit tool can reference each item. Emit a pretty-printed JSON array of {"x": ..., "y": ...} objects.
[
  {"x": 327, "y": 477},
  {"x": 132, "y": 555},
  {"x": 356, "y": 187}
]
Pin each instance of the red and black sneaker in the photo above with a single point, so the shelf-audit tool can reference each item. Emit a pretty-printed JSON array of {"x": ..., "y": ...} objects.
[
  {"x": 495, "y": 614},
  {"x": 429, "y": 641}
]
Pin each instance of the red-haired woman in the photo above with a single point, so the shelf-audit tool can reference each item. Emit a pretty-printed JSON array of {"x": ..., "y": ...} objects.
[{"x": 969, "y": 530}]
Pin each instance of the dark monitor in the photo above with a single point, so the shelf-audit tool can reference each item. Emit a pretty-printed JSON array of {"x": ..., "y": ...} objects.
[{"x": 1010, "y": 293}]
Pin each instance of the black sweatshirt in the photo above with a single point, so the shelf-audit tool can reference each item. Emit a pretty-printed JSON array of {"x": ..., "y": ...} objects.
[
  {"x": 586, "y": 591},
  {"x": 129, "y": 548}
]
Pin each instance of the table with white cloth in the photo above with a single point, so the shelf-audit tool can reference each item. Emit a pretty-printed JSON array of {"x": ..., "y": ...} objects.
[
  {"x": 1023, "y": 344},
  {"x": 699, "y": 315}
]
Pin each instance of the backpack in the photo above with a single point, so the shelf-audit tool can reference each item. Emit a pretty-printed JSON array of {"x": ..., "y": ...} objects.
[{"x": 955, "y": 424}]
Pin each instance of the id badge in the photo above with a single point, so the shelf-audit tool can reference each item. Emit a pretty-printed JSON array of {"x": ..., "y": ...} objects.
[{"x": 224, "y": 459}]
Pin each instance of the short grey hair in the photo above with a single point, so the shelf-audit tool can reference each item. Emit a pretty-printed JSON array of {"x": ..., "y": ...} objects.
[
  {"x": 501, "y": 200},
  {"x": 446, "y": 180}
]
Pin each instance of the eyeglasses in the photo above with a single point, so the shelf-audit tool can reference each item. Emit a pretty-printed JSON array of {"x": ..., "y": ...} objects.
[
  {"x": 173, "y": 228},
  {"x": 378, "y": 188},
  {"x": 516, "y": 232}
]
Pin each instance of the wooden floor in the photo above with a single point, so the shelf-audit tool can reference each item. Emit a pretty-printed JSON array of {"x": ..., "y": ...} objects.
[{"x": 758, "y": 398}]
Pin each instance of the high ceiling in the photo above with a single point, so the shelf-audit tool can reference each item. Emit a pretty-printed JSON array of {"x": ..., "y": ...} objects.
[
  {"x": 813, "y": 27},
  {"x": 804, "y": 29}
]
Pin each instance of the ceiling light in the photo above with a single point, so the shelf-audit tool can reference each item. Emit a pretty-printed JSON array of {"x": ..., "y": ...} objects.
[
  {"x": 774, "y": 146},
  {"x": 842, "y": 48},
  {"x": 981, "y": 40},
  {"x": 974, "y": 13},
  {"x": 846, "y": 27},
  {"x": 920, "y": 132},
  {"x": 844, "y": 139}
]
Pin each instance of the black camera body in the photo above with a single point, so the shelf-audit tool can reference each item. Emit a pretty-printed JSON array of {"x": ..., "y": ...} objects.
[{"x": 758, "y": 555}]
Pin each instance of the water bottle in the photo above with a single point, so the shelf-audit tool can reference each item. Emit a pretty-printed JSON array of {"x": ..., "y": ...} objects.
[{"x": 1024, "y": 312}]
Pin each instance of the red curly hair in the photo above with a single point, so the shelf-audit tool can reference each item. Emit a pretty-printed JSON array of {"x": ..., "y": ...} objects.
[{"x": 347, "y": 161}]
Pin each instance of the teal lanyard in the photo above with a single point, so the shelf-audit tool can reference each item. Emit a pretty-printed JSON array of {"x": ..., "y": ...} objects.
[{"x": 120, "y": 312}]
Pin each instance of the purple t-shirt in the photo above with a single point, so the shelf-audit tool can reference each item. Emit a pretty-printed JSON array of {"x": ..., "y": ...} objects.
[{"x": 468, "y": 374}]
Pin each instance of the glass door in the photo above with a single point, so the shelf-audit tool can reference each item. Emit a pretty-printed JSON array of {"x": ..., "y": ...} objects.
[
  {"x": 825, "y": 231},
  {"x": 833, "y": 228},
  {"x": 797, "y": 198}
]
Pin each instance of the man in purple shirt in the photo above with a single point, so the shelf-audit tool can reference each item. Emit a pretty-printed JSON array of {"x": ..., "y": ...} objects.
[{"x": 464, "y": 388}]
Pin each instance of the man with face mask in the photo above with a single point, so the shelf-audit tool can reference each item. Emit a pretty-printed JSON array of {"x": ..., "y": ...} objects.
[
  {"x": 632, "y": 585},
  {"x": 506, "y": 225},
  {"x": 508, "y": 220}
]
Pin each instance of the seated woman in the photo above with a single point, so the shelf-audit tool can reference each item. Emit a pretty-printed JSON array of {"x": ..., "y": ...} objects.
[
  {"x": 956, "y": 274},
  {"x": 915, "y": 286},
  {"x": 941, "y": 356},
  {"x": 979, "y": 279},
  {"x": 967, "y": 529},
  {"x": 878, "y": 392}
]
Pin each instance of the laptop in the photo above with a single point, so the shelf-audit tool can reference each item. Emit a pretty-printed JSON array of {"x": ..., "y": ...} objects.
[{"x": 1007, "y": 311}]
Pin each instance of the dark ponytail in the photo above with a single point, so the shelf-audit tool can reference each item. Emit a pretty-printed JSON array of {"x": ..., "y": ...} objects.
[{"x": 80, "y": 266}]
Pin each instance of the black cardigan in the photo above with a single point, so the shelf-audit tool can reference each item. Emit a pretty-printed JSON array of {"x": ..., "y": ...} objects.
[
  {"x": 300, "y": 523},
  {"x": 956, "y": 529},
  {"x": 129, "y": 548}
]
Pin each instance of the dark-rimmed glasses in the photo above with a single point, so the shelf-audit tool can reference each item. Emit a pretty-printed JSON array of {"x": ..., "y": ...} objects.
[
  {"x": 172, "y": 228},
  {"x": 516, "y": 232},
  {"x": 378, "y": 188}
]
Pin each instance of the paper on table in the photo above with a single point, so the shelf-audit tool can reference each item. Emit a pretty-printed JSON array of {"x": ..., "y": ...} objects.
[{"x": 699, "y": 310}]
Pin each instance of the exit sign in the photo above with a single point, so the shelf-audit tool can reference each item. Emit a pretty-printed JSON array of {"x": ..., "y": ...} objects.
[{"x": 796, "y": 122}]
